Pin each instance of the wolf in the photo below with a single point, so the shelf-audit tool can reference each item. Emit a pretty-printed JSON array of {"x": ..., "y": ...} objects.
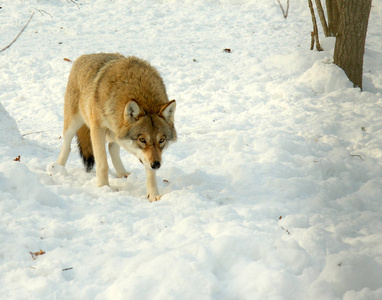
[{"x": 123, "y": 101}]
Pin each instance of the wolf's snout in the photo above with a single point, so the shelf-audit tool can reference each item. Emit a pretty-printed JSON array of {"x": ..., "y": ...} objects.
[{"x": 155, "y": 165}]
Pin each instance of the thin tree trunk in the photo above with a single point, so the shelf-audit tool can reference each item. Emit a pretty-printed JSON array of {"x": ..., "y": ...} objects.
[
  {"x": 351, "y": 37},
  {"x": 315, "y": 29},
  {"x": 321, "y": 14},
  {"x": 333, "y": 17},
  {"x": 329, "y": 9}
]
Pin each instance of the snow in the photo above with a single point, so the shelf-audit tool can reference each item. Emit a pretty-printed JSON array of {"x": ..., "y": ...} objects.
[{"x": 273, "y": 190}]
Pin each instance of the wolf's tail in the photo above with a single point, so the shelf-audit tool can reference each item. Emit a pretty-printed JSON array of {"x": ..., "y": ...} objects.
[{"x": 85, "y": 146}]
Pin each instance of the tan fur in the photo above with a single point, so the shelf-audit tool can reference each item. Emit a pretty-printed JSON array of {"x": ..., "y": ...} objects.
[{"x": 122, "y": 100}]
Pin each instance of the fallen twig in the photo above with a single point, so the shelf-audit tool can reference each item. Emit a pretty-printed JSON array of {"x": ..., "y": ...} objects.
[
  {"x": 74, "y": 3},
  {"x": 41, "y": 11},
  {"x": 33, "y": 132},
  {"x": 286, "y": 230},
  {"x": 15, "y": 39},
  {"x": 357, "y": 155}
]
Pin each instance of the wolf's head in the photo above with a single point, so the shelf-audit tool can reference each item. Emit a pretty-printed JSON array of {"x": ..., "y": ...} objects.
[{"x": 150, "y": 133}]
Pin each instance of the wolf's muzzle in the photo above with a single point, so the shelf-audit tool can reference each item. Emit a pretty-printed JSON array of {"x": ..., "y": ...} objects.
[{"x": 155, "y": 165}]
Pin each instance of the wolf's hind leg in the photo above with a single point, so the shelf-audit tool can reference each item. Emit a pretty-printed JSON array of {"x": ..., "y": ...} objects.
[
  {"x": 70, "y": 128},
  {"x": 152, "y": 186},
  {"x": 116, "y": 160}
]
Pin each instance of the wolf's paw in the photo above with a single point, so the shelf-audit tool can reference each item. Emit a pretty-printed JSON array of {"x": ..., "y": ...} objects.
[
  {"x": 103, "y": 182},
  {"x": 55, "y": 168},
  {"x": 123, "y": 174},
  {"x": 154, "y": 198}
]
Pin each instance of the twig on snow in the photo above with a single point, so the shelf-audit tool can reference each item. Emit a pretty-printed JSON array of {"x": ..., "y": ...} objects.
[
  {"x": 33, "y": 132},
  {"x": 286, "y": 230},
  {"x": 357, "y": 155},
  {"x": 74, "y": 3},
  {"x": 41, "y": 11},
  {"x": 15, "y": 39}
]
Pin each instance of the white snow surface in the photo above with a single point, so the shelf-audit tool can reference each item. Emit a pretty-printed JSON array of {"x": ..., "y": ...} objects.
[{"x": 273, "y": 190}]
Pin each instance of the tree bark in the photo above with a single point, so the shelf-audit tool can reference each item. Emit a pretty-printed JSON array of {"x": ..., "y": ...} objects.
[
  {"x": 351, "y": 37},
  {"x": 333, "y": 16}
]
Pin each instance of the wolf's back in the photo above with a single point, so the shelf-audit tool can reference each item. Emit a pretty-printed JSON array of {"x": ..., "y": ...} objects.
[{"x": 87, "y": 67}]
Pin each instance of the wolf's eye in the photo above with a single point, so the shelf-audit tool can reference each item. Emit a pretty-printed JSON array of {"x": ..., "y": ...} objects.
[
  {"x": 142, "y": 140},
  {"x": 162, "y": 140}
]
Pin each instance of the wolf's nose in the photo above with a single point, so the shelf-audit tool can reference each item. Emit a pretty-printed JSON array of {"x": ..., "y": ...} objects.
[{"x": 155, "y": 165}]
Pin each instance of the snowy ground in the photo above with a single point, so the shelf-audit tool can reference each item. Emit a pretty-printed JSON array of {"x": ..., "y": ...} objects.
[{"x": 273, "y": 190}]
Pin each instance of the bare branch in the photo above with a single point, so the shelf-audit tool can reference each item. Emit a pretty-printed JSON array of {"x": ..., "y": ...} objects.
[
  {"x": 15, "y": 39},
  {"x": 285, "y": 13}
]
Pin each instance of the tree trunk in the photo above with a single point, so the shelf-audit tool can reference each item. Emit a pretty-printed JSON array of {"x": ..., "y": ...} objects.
[
  {"x": 351, "y": 37},
  {"x": 333, "y": 16}
]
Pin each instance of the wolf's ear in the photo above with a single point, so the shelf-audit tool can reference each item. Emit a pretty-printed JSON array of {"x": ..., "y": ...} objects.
[
  {"x": 167, "y": 111},
  {"x": 132, "y": 111}
]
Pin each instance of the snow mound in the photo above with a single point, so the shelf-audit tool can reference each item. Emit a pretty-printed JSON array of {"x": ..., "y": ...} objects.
[
  {"x": 9, "y": 132},
  {"x": 18, "y": 180},
  {"x": 326, "y": 77}
]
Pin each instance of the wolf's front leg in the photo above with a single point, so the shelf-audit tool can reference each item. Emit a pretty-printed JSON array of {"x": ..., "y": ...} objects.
[
  {"x": 98, "y": 137},
  {"x": 152, "y": 187},
  {"x": 116, "y": 160}
]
